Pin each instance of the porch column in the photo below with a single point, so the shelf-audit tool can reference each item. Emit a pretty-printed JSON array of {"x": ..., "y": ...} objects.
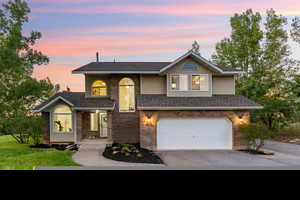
[
  {"x": 109, "y": 126},
  {"x": 79, "y": 125}
]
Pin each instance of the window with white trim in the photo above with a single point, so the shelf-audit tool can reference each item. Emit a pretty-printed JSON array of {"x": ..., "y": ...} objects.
[
  {"x": 62, "y": 119},
  {"x": 126, "y": 95},
  {"x": 179, "y": 82},
  {"x": 200, "y": 82}
]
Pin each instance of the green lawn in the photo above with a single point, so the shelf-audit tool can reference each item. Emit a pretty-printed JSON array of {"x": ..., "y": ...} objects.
[{"x": 14, "y": 156}]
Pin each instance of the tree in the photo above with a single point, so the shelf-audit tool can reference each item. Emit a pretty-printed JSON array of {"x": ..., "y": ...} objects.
[
  {"x": 19, "y": 92},
  {"x": 242, "y": 50},
  {"x": 261, "y": 50},
  {"x": 295, "y": 32}
]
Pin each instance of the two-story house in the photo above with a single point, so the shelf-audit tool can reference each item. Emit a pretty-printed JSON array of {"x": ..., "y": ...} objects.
[{"x": 186, "y": 104}]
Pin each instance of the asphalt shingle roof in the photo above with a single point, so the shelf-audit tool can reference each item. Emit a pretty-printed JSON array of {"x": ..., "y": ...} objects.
[
  {"x": 130, "y": 67},
  {"x": 162, "y": 101},
  {"x": 78, "y": 99},
  {"x": 123, "y": 66}
]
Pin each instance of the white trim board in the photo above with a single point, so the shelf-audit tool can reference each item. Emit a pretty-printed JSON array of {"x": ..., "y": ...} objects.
[
  {"x": 93, "y": 108},
  {"x": 53, "y": 101}
]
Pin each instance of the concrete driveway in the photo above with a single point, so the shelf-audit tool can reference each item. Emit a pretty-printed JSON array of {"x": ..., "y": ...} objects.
[{"x": 285, "y": 155}]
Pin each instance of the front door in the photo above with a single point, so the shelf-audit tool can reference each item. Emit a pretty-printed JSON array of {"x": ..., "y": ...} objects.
[{"x": 103, "y": 125}]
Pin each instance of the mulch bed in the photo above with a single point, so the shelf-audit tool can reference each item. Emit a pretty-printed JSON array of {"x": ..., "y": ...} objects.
[
  {"x": 60, "y": 147},
  {"x": 133, "y": 154},
  {"x": 251, "y": 151}
]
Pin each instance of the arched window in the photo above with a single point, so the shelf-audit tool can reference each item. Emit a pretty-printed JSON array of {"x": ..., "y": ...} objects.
[
  {"x": 62, "y": 119},
  {"x": 99, "y": 88},
  {"x": 126, "y": 95}
]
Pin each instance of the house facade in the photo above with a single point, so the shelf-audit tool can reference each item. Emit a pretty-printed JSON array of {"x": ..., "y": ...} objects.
[{"x": 186, "y": 104}]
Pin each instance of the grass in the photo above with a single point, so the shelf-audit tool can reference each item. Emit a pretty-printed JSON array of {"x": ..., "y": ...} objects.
[{"x": 14, "y": 156}]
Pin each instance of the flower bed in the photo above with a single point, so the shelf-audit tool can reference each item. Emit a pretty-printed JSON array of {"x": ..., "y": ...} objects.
[{"x": 131, "y": 153}]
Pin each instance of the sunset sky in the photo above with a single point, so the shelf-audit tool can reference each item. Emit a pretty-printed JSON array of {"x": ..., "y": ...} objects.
[{"x": 133, "y": 30}]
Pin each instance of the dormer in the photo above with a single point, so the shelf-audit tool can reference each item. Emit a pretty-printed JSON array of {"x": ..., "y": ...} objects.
[{"x": 193, "y": 76}]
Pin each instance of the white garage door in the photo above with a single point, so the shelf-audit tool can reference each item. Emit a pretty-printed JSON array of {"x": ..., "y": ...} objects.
[{"x": 187, "y": 134}]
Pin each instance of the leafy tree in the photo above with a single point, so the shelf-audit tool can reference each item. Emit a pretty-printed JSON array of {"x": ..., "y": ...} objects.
[
  {"x": 24, "y": 129},
  {"x": 260, "y": 49},
  {"x": 19, "y": 92},
  {"x": 295, "y": 32}
]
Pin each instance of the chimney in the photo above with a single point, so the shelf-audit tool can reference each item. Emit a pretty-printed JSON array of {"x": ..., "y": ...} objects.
[{"x": 97, "y": 57}]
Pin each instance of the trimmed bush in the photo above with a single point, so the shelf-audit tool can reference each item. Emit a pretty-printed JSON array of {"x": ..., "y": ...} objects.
[{"x": 256, "y": 134}]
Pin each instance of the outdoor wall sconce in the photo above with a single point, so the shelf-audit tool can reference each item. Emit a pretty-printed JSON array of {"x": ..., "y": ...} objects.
[
  {"x": 149, "y": 115},
  {"x": 148, "y": 119},
  {"x": 240, "y": 118}
]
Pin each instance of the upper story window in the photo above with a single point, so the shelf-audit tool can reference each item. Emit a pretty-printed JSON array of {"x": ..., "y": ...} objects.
[
  {"x": 189, "y": 66},
  {"x": 99, "y": 88},
  {"x": 126, "y": 95},
  {"x": 62, "y": 119},
  {"x": 200, "y": 82},
  {"x": 179, "y": 82}
]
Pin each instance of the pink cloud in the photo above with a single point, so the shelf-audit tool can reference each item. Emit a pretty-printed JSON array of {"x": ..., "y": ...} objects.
[
  {"x": 126, "y": 40},
  {"x": 62, "y": 75},
  {"x": 118, "y": 45}
]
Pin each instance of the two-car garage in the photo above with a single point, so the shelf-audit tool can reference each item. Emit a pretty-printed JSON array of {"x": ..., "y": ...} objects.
[{"x": 194, "y": 134}]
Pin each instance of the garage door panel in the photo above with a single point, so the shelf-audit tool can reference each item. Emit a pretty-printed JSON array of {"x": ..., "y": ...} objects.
[{"x": 200, "y": 133}]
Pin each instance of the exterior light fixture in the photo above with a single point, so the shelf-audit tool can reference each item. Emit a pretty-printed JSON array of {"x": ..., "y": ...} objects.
[
  {"x": 149, "y": 115},
  {"x": 148, "y": 118}
]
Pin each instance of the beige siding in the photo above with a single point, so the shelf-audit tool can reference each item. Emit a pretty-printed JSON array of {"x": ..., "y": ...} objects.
[
  {"x": 61, "y": 137},
  {"x": 189, "y": 93},
  {"x": 223, "y": 85},
  {"x": 152, "y": 84}
]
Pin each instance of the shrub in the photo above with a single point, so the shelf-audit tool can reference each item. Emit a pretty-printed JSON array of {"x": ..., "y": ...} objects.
[
  {"x": 24, "y": 129},
  {"x": 256, "y": 134}
]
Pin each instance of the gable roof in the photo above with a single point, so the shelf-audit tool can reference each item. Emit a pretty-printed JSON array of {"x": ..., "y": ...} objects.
[
  {"x": 147, "y": 67},
  {"x": 77, "y": 101},
  {"x": 200, "y": 59}
]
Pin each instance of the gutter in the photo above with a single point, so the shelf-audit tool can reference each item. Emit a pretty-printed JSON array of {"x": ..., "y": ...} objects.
[{"x": 200, "y": 108}]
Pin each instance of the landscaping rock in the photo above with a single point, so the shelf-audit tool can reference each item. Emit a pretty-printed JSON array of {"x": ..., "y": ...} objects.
[{"x": 131, "y": 153}]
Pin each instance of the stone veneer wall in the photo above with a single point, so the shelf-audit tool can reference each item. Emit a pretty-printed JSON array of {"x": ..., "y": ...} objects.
[
  {"x": 125, "y": 125},
  {"x": 148, "y": 132}
]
